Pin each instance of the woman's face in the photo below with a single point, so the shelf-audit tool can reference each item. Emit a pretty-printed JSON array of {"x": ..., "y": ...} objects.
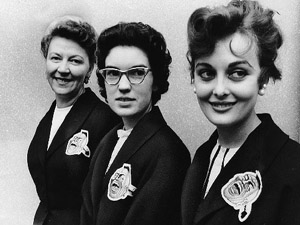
[
  {"x": 67, "y": 65},
  {"x": 226, "y": 84},
  {"x": 130, "y": 101}
]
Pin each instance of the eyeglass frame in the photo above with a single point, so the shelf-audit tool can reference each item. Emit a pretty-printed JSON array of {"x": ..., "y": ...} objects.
[{"x": 124, "y": 72}]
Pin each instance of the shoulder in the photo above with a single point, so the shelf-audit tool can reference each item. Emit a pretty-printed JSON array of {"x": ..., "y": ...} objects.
[
  {"x": 154, "y": 130},
  {"x": 98, "y": 108},
  {"x": 280, "y": 155},
  {"x": 290, "y": 154},
  {"x": 46, "y": 119},
  {"x": 167, "y": 144},
  {"x": 89, "y": 98},
  {"x": 278, "y": 143},
  {"x": 163, "y": 155}
]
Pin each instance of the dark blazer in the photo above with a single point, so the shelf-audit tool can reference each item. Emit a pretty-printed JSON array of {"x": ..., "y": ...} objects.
[
  {"x": 58, "y": 177},
  {"x": 158, "y": 160},
  {"x": 267, "y": 150}
]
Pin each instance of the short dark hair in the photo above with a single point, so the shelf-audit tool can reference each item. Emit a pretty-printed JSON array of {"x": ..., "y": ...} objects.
[
  {"x": 80, "y": 32},
  {"x": 143, "y": 37},
  {"x": 207, "y": 26}
]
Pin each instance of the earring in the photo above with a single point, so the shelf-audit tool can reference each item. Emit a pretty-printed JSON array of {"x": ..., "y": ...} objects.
[
  {"x": 86, "y": 79},
  {"x": 194, "y": 90},
  {"x": 262, "y": 90}
]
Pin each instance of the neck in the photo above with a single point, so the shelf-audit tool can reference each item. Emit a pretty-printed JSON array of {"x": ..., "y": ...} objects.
[
  {"x": 235, "y": 135},
  {"x": 63, "y": 101},
  {"x": 130, "y": 121}
]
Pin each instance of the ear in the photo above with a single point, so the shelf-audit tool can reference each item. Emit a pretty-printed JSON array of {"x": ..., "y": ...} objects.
[
  {"x": 262, "y": 90},
  {"x": 89, "y": 73},
  {"x": 194, "y": 88},
  {"x": 87, "y": 77}
]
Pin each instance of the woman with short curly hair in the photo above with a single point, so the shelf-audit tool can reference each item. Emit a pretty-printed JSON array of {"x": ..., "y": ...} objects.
[
  {"x": 138, "y": 169},
  {"x": 248, "y": 170},
  {"x": 63, "y": 145}
]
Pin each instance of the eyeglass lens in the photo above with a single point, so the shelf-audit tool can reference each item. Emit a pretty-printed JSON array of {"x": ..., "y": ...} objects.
[{"x": 134, "y": 75}]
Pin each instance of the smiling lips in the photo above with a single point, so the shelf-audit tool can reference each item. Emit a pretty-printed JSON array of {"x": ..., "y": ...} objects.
[
  {"x": 222, "y": 106},
  {"x": 61, "y": 80}
]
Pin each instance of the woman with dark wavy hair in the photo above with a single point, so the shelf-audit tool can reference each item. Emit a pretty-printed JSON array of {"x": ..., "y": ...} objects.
[
  {"x": 137, "y": 173},
  {"x": 64, "y": 142},
  {"x": 248, "y": 172}
]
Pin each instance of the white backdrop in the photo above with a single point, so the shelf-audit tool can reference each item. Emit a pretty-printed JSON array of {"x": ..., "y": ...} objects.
[{"x": 25, "y": 95}]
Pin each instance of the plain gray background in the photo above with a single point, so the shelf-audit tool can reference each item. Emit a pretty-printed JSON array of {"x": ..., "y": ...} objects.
[{"x": 26, "y": 96}]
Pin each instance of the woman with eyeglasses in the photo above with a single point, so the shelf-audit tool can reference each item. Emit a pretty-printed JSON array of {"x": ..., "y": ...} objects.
[
  {"x": 137, "y": 173},
  {"x": 65, "y": 140},
  {"x": 248, "y": 172}
]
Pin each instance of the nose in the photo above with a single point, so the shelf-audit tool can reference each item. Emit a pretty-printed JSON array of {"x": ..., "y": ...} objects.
[
  {"x": 124, "y": 84},
  {"x": 63, "y": 67},
  {"x": 221, "y": 86}
]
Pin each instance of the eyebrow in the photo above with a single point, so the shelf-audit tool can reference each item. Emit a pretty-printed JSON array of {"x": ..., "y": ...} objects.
[
  {"x": 204, "y": 64},
  {"x": 59, "y": 54},
  {"x": 233, "y": 64},
  {"x": 114, "y": 67}
]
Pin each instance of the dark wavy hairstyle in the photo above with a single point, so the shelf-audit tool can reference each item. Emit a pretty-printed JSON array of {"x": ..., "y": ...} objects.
[
  {"x": 145, "y": 38},
  {"x": 80, "y": 32},
  {"x": 207, "y": 26}
]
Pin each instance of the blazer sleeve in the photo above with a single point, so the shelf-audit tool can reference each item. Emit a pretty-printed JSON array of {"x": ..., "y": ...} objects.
[
  {"x": 87, "y": 210},
  {"x": 86, "y": 216},
  {"x": 289, "y": 197}
]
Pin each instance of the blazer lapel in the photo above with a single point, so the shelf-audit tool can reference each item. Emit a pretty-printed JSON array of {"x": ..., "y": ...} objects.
[
  {"x": 142, "y": 132},
  {"x": 73, "y": 121},
  {"x": 43, "y": 134},
  {"x": 99, "y": 164}
]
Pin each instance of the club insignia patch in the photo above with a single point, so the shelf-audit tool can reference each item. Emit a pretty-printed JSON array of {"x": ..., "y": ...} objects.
[
  {"x": 241, "y": 192},
  {"x": 119, "y": 186},
  {"x": 78, "y": 144}
]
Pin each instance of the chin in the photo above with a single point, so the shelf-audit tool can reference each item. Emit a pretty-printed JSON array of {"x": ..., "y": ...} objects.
[
  {"x": 124, "y": 112},
  {"x": 221, "y": 122},
  {"x": 61, "y": 92}
]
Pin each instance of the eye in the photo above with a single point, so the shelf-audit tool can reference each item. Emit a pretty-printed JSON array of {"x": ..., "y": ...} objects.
[
  {"x": 54, "y": 58},
  {"x": 205, "y": 74},
  {"x": 112, "y": 73},
  {"x": 137, "y": 72},
  {"x": 76, "y": 61},
  {"x": 237, "y": 75}
]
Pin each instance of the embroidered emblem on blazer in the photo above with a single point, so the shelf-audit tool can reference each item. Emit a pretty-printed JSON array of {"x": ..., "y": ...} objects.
[
  {"x": 119, "y": 186},
  {"x": 241, "y": 192},
  {"x": 78, "y": 144}
]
